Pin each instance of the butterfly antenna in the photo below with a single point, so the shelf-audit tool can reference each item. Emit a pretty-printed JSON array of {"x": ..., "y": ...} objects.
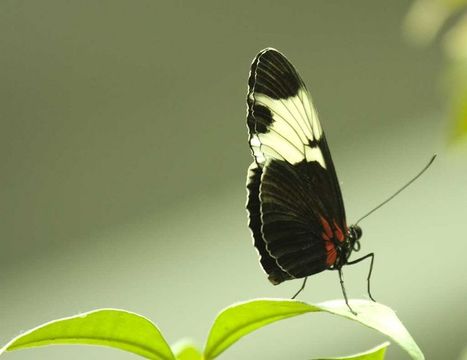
[{"x": 400, "y": 190}]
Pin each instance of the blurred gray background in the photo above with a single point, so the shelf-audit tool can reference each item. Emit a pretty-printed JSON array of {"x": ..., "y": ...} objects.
[{"x": 124, "y": 152}]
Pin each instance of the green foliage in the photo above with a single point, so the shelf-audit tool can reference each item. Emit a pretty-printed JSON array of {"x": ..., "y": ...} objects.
[
  {"x": 456, "y": 80},
  {"x": 131, "y": 332},
  {"x": 377, "y": 353},
  {"x": 106, "y": 327},
  {"x": 238, "y": 320},
  {"x": 425, "y": 20},
  {"x": 186, "y": 350}
]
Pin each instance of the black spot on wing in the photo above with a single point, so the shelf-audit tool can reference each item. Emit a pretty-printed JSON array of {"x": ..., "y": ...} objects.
[
  {"x": 313, "y": 143},
  {"x": 276, "y": 274},
  {"x": 261, "y": 116},
  {"x": 291, "y": 208},
  {"x": 273, "y": 75}
]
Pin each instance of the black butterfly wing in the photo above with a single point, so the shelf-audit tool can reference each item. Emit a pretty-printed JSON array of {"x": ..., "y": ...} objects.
[
  {"x": 269, "y": 264},
  {"x": 295, "y": 206}
]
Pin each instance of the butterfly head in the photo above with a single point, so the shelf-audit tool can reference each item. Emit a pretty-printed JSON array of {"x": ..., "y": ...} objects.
[{"x": 355, "y": 233}]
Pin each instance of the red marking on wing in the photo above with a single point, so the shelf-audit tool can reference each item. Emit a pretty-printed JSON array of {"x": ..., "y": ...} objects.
[
  {"x": 331, "y": 252},
  {"x": 328, "y": 244},
  {"x": 339, "y": 234},
  {"x": 328, "y": 235},
  {"x": 327, "y": 228}
]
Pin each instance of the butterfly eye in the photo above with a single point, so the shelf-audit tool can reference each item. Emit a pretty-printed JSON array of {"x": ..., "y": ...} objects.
[{"x": 355, "y": 232}]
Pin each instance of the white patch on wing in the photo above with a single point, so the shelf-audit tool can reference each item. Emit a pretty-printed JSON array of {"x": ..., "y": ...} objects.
[
  {"x": 295, "y": 124},
  {"x": 281, "y": 146},
  {"x": 314, "y": 154},
  {"x": 312, "y": 115},
  {"x": 254, "y": 141},
  {"x": 256, "y": 147},
  {"x": 271, "y": 153},
  {"x": 286, "y": 110}
]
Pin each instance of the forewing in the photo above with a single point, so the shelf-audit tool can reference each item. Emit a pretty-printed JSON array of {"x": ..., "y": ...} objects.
[
  {"x": 282, "y": 122},
  {"x": 297, "y": 186}
]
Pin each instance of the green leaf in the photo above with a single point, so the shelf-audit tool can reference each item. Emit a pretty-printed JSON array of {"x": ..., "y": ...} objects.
[
  {"x": 185, "y": 349},
  {"x": 426, "y": 18},
  {"x": 106, "y": 327},
  {"x": 377, "y": 353},
  {"x": 241, "y": 319},
  {"x": 379, "y": 317},
  {"x": 456, "y": 76}
]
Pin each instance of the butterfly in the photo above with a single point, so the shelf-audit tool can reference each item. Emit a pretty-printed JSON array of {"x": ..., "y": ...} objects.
[{"x": 295, "y": 207}]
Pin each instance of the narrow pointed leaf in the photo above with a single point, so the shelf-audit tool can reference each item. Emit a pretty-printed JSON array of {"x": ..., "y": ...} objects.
[
  {"x": 106, "y": 327},
  {"x": 241, "y": 319},
  {"x": 377, "y": 353}
]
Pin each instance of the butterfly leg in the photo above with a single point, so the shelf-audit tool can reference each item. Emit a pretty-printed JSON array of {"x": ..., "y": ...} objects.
[
  {"x": 341, "y": 278},
  {"x": 372, "y": 256},
  {"x": 301, "y": 288}
]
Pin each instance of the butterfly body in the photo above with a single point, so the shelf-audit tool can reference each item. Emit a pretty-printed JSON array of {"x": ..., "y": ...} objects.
[{"x": 295, "y": 206}]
